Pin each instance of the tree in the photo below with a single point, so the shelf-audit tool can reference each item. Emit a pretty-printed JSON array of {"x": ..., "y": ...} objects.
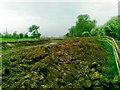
[
  {"x": 72, "y": 32},
  {"x": 34, "y": 30},
  {"x": 112, "y": 27},
  {"x": 1, "y": 35},
  {"x": 97, "y": 31},
  {"x": 7, "y": 35},
  {"x": 118, "y": 31},
  {"x": 21, "y": 35},
  {"x": 83, "y": 24},
  {"x": 94, "y": 32},
  {"x": 25, "y": 35},
  {"x": 15, "y": 35}
]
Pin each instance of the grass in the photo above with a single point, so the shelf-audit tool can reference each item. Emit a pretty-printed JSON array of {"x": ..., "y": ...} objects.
[
  {"x": 16, "y": 40},
  {"x": 111, "y": 61}
]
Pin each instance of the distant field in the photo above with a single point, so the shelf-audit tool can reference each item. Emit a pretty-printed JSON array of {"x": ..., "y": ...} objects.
[{"x": 15, "y": 40}]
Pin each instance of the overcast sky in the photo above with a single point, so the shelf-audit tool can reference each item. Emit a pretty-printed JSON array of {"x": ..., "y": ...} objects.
[{"x": 54, "y": 18}]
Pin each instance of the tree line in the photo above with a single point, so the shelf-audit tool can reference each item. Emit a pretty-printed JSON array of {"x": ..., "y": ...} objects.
[
  {"x": 85, "y": 27},
  {"x": 33, "y": 30}
]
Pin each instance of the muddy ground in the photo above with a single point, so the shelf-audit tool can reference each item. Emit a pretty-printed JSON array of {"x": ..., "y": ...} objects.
[{"x": 84, "y": 63}]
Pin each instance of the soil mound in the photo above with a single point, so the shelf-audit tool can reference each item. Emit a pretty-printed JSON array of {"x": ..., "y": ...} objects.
[{"x": 74, "y": 63}]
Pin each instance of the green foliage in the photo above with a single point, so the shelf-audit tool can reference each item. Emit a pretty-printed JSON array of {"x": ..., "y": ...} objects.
[
  {"x": 36, "y": 35},
  {"x": 118, "y": 34},
  {"x": 111, "y": 61},
  {"x": 34, "y": 30},
  {"x": 15, "y": 35},
  {"x": 25, "y": 35},
  {"x": 6, "y": 35},
  {"x": 84, "y": 24},
  {"x": 112, "y": 27},
  {"x": 85, "y": 34},
  {"x": 97, "y": 31},
  {"x": 0, "y": 35},
  {"x": 21, "y": 35},
  {"x": 16, "y": 40},
  {"x": 94, "y": 32},
  {"x": 118, "y": 31}
]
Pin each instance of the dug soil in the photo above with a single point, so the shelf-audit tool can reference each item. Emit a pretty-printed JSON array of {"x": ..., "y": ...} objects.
[{"x": 84, "y": 63}]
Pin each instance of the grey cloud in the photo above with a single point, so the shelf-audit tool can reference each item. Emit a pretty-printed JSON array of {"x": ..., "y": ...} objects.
[{"x": 55, "y": 18}]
